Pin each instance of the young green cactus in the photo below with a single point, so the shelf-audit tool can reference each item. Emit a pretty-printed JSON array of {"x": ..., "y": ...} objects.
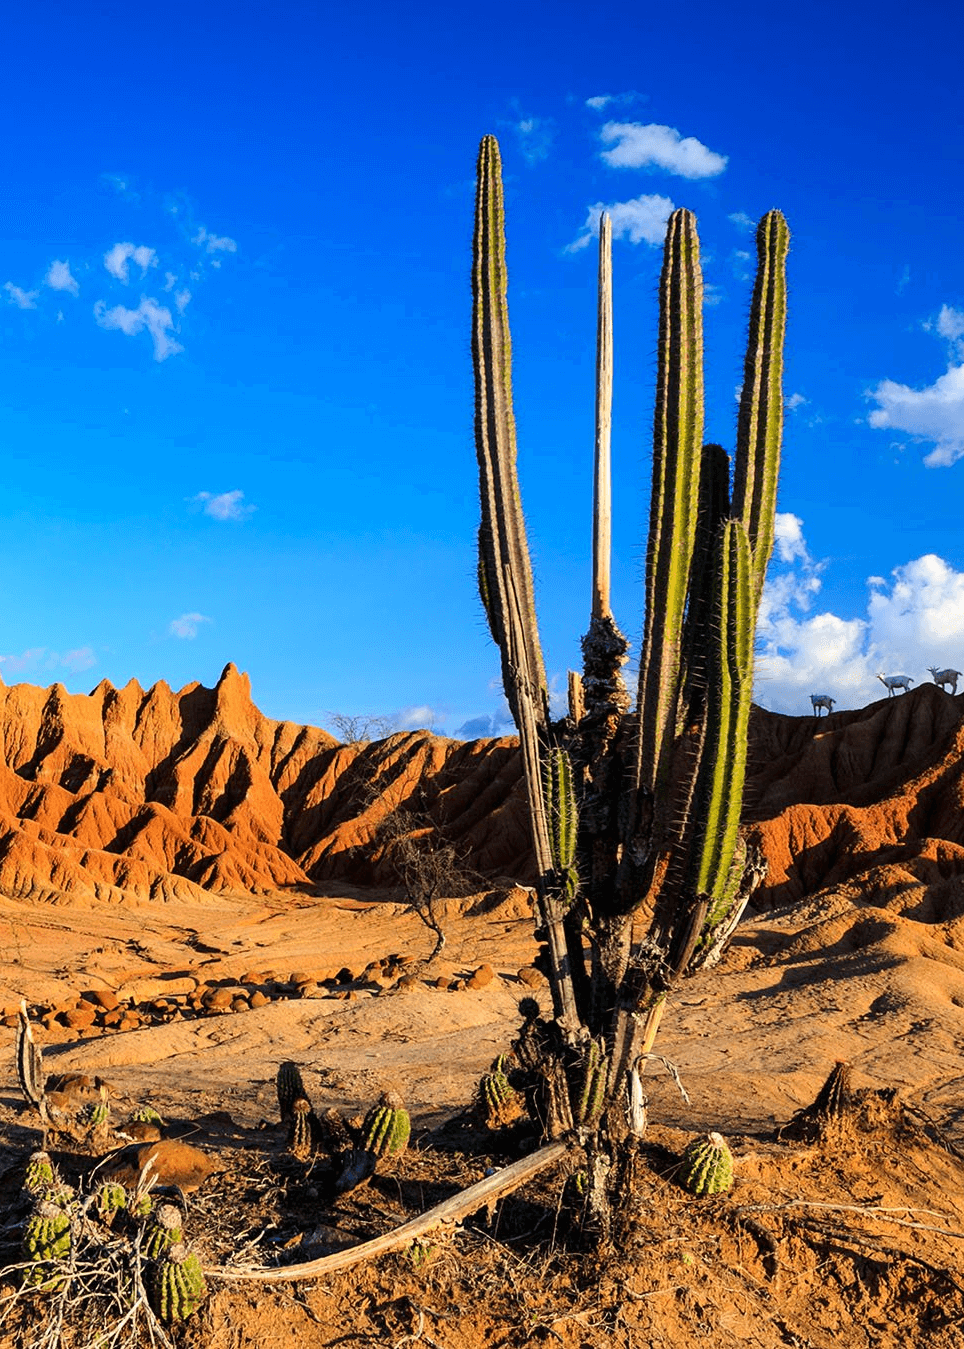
[
  {"x": 290, "y": 1088},
  {"x": 39, "y": 1175},
  {"x": 562, "y": 817},
  {"x": 588, "y": 1087},
  {"x": 162, "y": 1232},
  {"x": 386, "y": 1128},
  {"x": 707, "y": 1166},
  {"x": 177, "y": 1284},
  {"x": 111, "y": 1199},
  {"x": 498, "y": 1101},
  {"x": 301, "y": 1143},
  {"x": 46, "y": 1240},
  {"x": 145, "y": 1114}
]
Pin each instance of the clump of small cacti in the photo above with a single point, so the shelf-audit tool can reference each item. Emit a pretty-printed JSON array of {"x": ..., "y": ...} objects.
[
  {"x": 707, "y": 1166},
  {"x": 145, "y": 1114},
  {"x": 499, "y": 1102},
  {"x": 140, "y": 1204},
  {"x": 290, "y": 1088},
  {"x": 177, "y": 1284},
  {"x": 40, "y": 1174},
  {"x": 163, "y": 1232},
  {"x": 386, "y": 1127},
  {"x": 46, "y": 1240},
  {"x": 589, "y": 1080},
  {"x": 110, "y": 1200}
]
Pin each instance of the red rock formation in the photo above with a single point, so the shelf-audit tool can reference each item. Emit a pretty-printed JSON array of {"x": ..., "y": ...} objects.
[{"x": 165, "y": 794}]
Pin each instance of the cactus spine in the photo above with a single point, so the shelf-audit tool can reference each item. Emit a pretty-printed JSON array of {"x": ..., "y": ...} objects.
[
  {"x": 289, "y": 1087},
  {"x": 707, "y": 1166},
  {"x": 386, "y": 1128},
  {"x": 39, "y": 1175},
  {"x": 177, "y": 1286}
]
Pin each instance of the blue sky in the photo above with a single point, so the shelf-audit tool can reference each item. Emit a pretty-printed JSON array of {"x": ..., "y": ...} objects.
[{"x": 235, "y": 382}]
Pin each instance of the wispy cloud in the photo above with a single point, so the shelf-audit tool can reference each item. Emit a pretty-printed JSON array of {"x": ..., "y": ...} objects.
[
  {"x": 600, "y": 101},
  {"x": 740, "y": 261},
  {"x": 182, "y": 298},
  {"x": 118, "y": 258},
  {"x": 214, "y": 243},
  {"x": 635, "y": 146},
  {"x": 59, "y": 277},
  {"x": 23, "y": 299},
  {"x": 641, "y": 220},
  {"x": 187, "y": 625},
  {"x": 796, "y": 400},
  {"x": 742, "y": 221},
  {"x": 149, "y": 316},
  {"x": 535, "y": 136},
  {"x": 122, "y": 185},
  {"x": 41, "y": 659},
  {"x": 224, "y": 505}
]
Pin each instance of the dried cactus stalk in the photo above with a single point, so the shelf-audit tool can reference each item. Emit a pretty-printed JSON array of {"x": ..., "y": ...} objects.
[
  {"x": 177, "y": 1285},
  {"x": 386, "y": 1127},
  {"x": 289, "y": 1087},
  {"x": 707, "y": 1166},
  {"x": 163, "y": 1232}
]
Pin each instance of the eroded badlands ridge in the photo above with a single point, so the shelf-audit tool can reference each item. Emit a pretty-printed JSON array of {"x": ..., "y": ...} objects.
[{"x": 171, "y": 795}]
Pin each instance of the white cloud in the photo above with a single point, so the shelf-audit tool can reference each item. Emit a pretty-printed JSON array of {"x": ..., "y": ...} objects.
[
  {"x": 642, "y": 220},
  {"x": 635, "y": 146},
  {"x": 740, "y": 261},
  {"x": 170, "y": 280},
  {"x": 950, "y": 324},
  {"x": 535, "y": 136},
  {"x": 742, "y": 221},
  {"x": 116, "y": 260},
  {"x": 39, "y": 658},
  {"x": 148, "y": 316},
  {"x": 186, "y": 626},
  {"x": 23, "y": 299},
  {"x": 415, "y": 718},
  {"x": 225, "y": 505},
  {"x": 913, "y": 621},
  {"x": 213, "y": 243},
  {"x": 59, "y": 277},
  {"x": 597, "y": 103},
  {"x": 182, "y": 298},
  {"x": 935, "y": 413},
  {"x": 796, "y": 400}
]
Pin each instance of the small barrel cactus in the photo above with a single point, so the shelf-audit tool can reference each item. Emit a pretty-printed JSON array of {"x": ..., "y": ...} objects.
[
  {"x": 46, "y": 1239},
  {"x": 498, "y": 1100},
  {"x": 386, "y": 1127},
  {"x": 140, "y": 1204},
  {"x": 177, "y": 1284},
  {"x": 290, "y": 1087},
  {"x": 301, "y": 1143},
  {"x": 39, "y": 1175},
  {"x": 110, "y": 1199},
  {"x": 707, "y": 1166},
  {"x": 163, "y": 1232}
]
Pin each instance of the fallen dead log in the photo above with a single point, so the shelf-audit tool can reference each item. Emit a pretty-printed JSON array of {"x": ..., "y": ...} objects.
[{"x": 480, "y": 1195}]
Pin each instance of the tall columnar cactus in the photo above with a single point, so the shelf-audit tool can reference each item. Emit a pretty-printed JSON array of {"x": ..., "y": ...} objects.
[{"x": 635, "y": 816}]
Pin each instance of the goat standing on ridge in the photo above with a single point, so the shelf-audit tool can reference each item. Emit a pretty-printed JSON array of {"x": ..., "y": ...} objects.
[
  {"x": 822, "y": 700},
  {"x": 942, "y": 677},
  {"x": 894, "y": 682}
]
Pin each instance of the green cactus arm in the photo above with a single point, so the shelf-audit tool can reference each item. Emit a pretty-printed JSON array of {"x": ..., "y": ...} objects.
[
  {"x": 602, "y": 478},
  {"x": 760, "y": 421},
  {"x": 718, "y": 794},
  {"x": 503, "y": 549},
  {"x": 677, "y": 441}
]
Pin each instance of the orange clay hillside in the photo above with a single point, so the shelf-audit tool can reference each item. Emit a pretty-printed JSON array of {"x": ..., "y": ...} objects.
[{"x": 167, "y": 795}]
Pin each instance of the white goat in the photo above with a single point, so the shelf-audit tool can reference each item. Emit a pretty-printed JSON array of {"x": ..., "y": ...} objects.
[
  {"x": 943, "y": 677},
  {"x": 822, "y": 700},
  {"x": 894, "y": 682}
]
